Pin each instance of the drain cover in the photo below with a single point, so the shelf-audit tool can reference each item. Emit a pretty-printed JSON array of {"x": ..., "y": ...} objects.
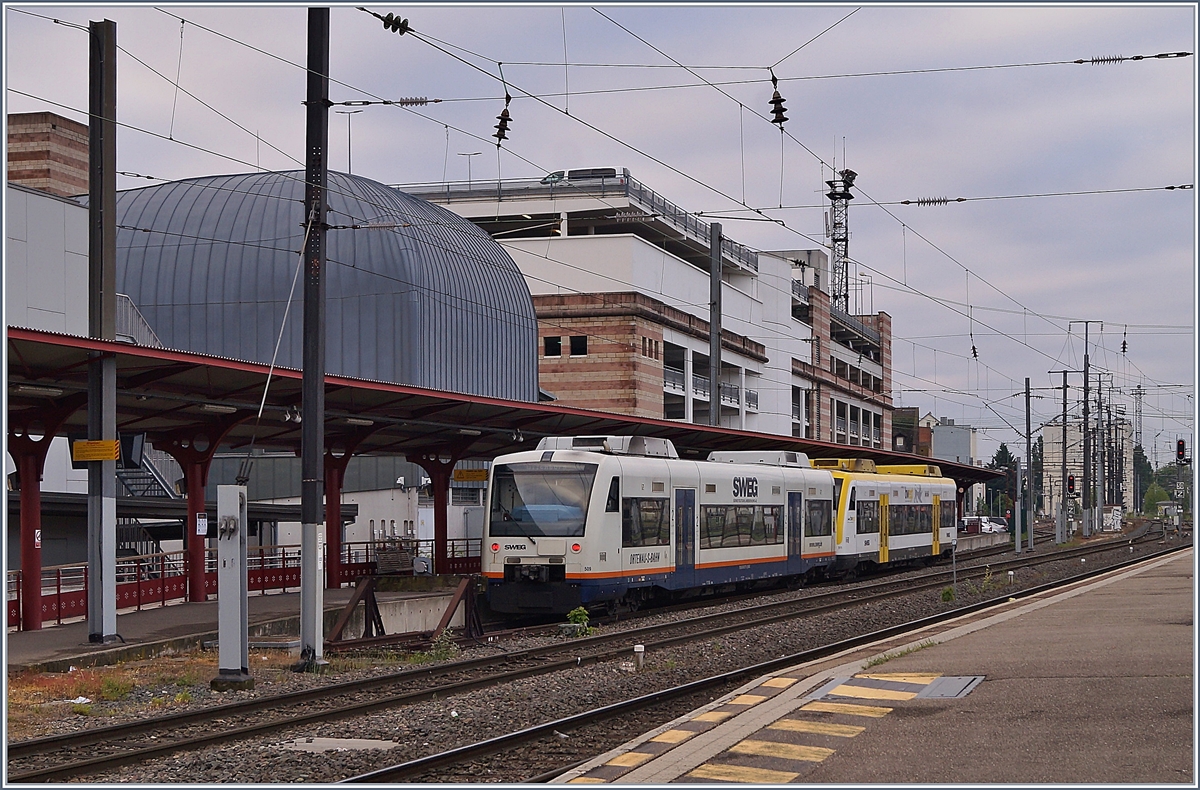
[{"x": 950, "y": 688}]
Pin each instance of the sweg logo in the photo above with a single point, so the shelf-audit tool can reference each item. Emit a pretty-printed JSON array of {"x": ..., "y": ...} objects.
[
  {"x": 513, "y": 547},
  {"x": 745, "y": 487}
]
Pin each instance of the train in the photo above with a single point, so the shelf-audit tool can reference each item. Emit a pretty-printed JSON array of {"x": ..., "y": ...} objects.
[{"x": 621, "y": 522}]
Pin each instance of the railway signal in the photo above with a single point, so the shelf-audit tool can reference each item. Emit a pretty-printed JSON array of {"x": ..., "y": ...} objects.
[
  {"x": 1070, "y": 484},
  {"x": 1180, "y": 451}
]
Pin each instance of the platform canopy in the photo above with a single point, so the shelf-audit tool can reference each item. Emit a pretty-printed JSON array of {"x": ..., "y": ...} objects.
[{"x": 165, "y": 393}]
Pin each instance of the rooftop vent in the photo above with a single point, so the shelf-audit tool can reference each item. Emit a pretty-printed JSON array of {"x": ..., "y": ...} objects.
[
  {"x": 618, "y": 445},
  {"x": 767, "y": 457},
  {"x": 845, "y": 464}
]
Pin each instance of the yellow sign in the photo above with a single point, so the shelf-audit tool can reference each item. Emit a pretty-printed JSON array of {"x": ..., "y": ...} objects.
[
  {"x": 100, "y": 450},
  {"x": 470, "y": 475}
]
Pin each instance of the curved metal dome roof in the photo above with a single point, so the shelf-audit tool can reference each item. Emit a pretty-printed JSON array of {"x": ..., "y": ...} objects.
[{"x": 414, "y": 295}]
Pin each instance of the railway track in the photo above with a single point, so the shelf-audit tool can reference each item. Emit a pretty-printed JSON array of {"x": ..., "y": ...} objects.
[
  {"x": 440, "y": 767},
  {"x": 99, "y": 749}
]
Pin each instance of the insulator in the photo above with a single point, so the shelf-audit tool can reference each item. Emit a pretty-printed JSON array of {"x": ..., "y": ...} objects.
[
  {"x": 974, "y": 351},
  {"x": 778, "y": 110},
  {"x": 1097, "y": 61},
  {"x": 395, "y": 24},
  {"x": 502, "y": 127},
  {"x": 1124, "y": 346},
  {"x": 927, "y": 201}
]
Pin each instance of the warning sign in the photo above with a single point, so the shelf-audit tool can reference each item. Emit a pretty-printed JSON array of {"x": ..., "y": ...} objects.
[
  {"x": 470, "y": 475},
  {"x": 98, "y": 450}
]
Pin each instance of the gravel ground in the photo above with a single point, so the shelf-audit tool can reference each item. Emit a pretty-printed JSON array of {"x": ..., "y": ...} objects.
[{"x": 442, "y": 724}]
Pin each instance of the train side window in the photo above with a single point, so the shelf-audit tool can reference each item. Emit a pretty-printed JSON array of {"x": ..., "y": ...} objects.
[
  {"x": 868, "y": 516},
  {"x": 613, "y": 505},
  {"x": 819, "y": 523},
  {"x": 948, "y": 515},
  {"x": 645, "y": 522}
]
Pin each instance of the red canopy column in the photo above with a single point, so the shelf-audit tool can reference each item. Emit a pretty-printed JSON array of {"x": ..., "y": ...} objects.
[
  {"x": 338, "y": 453},
  {"x": 194, "y": 450},
  {"x": 439, "y": 468},
  {"x": 29, "y": 455}
]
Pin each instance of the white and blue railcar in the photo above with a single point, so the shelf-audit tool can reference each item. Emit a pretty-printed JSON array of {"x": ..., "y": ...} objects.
[{"x": 618, "y": 521}]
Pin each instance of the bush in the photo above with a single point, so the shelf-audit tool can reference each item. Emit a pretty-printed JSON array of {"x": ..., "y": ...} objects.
[{"x": 948, "y": 594}]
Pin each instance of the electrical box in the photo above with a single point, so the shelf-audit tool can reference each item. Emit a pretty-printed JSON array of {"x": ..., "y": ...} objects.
[{"x": 232, "y": 589}]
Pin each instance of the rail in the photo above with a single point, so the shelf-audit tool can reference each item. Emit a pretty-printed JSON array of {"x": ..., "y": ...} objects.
[{"x": 158, "y": 579}]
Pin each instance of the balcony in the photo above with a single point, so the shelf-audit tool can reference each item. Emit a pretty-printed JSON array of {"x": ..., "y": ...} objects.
[
  {"x": 752, "y": 399},
  {"x": 841, "y": 424},
  {"x": 673, "y": 379},
  {"x": 700, "y": 386},
  {"x": 800, "y": 290},
  {"x": 731, "y": 394},
  {"x": 797, "y": 412}
]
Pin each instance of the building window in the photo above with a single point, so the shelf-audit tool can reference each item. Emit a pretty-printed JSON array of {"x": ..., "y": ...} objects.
[
  {"x": 579, "y": 345},
  {"x": 553, "y": 346}
]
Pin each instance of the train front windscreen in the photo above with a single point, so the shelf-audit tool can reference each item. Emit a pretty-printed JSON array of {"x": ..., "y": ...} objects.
[{"x": 540, "y": 499}]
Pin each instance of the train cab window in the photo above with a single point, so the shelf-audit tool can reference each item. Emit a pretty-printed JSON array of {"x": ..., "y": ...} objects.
[
  {"x": 819, "y": 523},
  {"x": 542, "y": 499},
  {"x": 645, "y": 522},
  {"x": 837, "y": 492},
  {"x": 948, "y": 520},
  {"x": 613, "y": 505}
]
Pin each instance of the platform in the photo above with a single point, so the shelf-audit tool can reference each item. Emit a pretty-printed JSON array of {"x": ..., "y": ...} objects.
[
  {"x": 185, "y": 626},
  {"x": 1089, "y": 685}
]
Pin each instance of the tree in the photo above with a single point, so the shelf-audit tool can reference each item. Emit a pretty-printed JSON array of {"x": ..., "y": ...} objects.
[
  {"x": 1143, "y": 473},
  {"x": 1154, "y": 494},
  {"x": 1038, "y": 491},
  {"x": 1002, "y": 488}
]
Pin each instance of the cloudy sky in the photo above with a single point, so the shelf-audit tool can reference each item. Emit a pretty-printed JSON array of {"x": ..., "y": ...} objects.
[{"x": 982, "y": 103}]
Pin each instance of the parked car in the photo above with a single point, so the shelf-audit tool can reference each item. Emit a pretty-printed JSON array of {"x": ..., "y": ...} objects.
[{"x": 993, "y": 524}]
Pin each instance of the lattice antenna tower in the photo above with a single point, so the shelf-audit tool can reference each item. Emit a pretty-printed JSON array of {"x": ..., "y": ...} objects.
[
  {"x": 839, "y": 238},
  {"x": 1138, "y": 392}
]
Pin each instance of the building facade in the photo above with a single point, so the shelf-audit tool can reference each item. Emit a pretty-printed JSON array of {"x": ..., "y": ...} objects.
[{"x": 620, "y": 279}]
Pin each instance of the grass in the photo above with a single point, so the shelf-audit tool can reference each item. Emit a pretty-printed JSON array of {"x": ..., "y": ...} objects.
[
  {"x": 886, "y": 657},
  {"x": 38, "y": 698}
]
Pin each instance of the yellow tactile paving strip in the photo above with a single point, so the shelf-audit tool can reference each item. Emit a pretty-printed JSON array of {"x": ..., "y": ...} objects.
[
  {"x": 794, "y": 743},
  {"x": 783, "y": 749}
]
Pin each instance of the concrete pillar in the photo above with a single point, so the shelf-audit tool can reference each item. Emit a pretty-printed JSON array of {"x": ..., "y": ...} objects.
[{"x": 688, "y": 405}]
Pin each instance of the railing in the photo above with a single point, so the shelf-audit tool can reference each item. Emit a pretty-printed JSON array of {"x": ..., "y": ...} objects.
[
  {"x": 700, "y": 385},
  {"x": 797, "y": 412},
  {"x": 854, "y": 324},
  {"x": 752, "y": 399},
  {"x": 157, "y": 579},
  {"x": 132, "y": 326},
  {"x": 673, "y": 379},
  {"x": 731, "y": 393},
  {"x": 841, "y": 424},
  {"x": 800, "y": 290},
  {"x": 527, "y": 188}
]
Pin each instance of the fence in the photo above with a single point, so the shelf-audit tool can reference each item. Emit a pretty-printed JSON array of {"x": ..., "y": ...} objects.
[{"x": 157, "y": 579}]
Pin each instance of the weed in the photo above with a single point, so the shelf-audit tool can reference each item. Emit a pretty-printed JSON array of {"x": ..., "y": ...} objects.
[
  {"x": 443, "y": 647},
  {"x": 948, "y": 594},
  {"x": 82, "y": 710},
  {"x": 579, "y": 616},
  {"x": 183, "y": 697},
  {"x": 115, "y": 688},
  {"x": 886, "y": 657}
]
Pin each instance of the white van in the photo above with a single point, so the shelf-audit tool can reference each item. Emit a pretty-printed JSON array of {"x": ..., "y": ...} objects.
[{"x": 615, "y": 175}]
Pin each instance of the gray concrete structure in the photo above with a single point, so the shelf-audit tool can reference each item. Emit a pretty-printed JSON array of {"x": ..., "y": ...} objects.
[{"x": 954, "y": 442}]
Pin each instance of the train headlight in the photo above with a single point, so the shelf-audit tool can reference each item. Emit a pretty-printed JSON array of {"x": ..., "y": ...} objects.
[
  {"x": 495, "y": 547},
  {"x": 575, "y": 547}
]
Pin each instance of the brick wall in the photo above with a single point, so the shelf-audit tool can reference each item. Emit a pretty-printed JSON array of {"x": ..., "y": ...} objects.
[{"x": 48, "y": 152}]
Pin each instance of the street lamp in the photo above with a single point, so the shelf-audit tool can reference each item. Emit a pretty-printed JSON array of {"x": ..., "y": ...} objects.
[
  {"x": 468, "y": 156},
  {"x": 348, "y": 113}
]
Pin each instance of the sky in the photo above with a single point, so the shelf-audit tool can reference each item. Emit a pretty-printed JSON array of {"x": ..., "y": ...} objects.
[{"x": 936, "y": 101}]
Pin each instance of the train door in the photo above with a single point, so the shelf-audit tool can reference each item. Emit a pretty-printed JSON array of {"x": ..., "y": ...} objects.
[
  {"x": 795, "y": 527},
  {"x": 883, "y": 527},
  {"x": 685, "y": 537},
  {"x": 937, "y": 525}
]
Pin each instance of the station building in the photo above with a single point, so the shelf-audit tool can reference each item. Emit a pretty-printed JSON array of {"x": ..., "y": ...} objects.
[{"x": 620, "y": 283}]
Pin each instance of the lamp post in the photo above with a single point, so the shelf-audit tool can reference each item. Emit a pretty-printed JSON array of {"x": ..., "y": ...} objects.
[
  {"x": 348, "y": 113},
  {"x": 468, "y": 156}
]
